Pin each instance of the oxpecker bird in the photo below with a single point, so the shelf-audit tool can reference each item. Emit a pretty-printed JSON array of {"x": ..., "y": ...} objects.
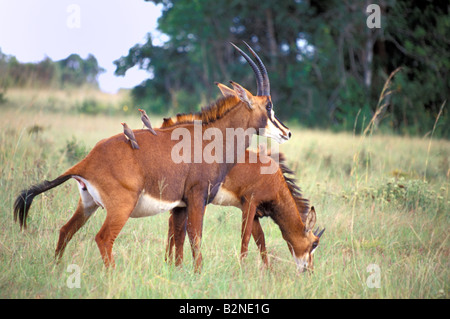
[
  {"x": 146, "y": 121},
  {"x": 130, "y": 135}
]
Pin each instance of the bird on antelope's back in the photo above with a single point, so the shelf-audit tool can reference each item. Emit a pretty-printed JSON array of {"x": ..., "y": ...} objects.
[
  {"x": 146, "y": 120},
  {"x": 130, "y": 135}
]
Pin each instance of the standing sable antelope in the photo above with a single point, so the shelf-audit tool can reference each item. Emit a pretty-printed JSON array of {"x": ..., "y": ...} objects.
[
  {"x": 148, "y": 182},
  {"x": 258, "y": 195},
  {"x": 274, "y": 195}
]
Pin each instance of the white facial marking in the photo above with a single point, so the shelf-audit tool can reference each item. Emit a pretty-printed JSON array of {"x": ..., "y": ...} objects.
[
  {"x": 274, "y": 132},
  {"x": 301, "y": 262}
]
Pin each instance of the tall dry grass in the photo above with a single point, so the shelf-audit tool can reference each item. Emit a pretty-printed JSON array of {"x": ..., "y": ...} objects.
[{"x": 378, "y": 210}]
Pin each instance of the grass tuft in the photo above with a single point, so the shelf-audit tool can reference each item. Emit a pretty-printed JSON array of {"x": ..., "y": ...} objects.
[{"x": 370, "y": 195}]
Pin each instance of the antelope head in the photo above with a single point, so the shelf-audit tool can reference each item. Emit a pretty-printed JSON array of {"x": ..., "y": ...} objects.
[
  {"x": 260, "y": 105},
  {"x": 303, "y": 249}
]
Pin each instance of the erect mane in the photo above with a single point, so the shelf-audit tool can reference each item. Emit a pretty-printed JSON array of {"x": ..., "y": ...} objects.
[
  {"x": 301, "y": 203},
  {"x": 208, "y": 114}
]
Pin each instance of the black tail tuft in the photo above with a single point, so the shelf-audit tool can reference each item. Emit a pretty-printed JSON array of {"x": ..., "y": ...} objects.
[
  {"x": 23, "y": 201},
  {"x": 21, "y": 207}
]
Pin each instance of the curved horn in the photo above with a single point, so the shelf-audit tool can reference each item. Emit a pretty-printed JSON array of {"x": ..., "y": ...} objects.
[
  {"x": 320, "y": 234},
  {"x": 262, "y": 68},
  {"x": 259, "y": 76}
]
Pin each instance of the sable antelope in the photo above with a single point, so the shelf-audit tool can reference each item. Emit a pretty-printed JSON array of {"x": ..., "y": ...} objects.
[
  {"x": 130, "y": 136},
  {"x": 258, "y": 195},
  {"x": 245, "y": 184},
  {"x": 148, "y": 182}
]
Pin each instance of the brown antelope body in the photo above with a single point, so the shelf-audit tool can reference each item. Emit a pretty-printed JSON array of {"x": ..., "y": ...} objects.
[
  {"x": 139, "y": 183},
  {"x": 258, "y": 195}
]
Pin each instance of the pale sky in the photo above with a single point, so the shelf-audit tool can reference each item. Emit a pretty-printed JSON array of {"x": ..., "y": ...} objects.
[{"x": 34, "y": 29}]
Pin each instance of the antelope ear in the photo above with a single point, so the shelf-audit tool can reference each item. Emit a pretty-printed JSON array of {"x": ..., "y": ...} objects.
[
  {"x": 310, "y": 220},
  {"x": 226, "y": 91},
  {"x": 243, "y": 94}
]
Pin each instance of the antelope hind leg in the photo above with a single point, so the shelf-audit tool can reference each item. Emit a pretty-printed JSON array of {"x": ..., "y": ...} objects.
[
  {"x": 77, "y": 221},
  {"x": 195, "y": 213},
  {"x": 176, "y": 235},
  {"x": 258, "y": 236},
  {"x": 122, "y": 205}
]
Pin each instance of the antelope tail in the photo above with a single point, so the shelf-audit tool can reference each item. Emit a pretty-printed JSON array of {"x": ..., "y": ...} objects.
[{"x": 24, "y": 200}]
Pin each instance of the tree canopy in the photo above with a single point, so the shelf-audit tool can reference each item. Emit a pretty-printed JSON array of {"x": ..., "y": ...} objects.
[
  {"x": 72, "y": 71},
  {"x": 326, "y": 66}
]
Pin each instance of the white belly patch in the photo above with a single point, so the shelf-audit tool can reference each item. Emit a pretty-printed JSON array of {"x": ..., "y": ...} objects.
[
  {"x": 150, "y": 206},
  {"x": 226, "y": 198}
]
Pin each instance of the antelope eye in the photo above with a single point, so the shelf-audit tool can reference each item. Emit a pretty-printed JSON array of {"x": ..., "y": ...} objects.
[
  {"x": 269, "y": 106},
  {"x": 314, "y": 245}
]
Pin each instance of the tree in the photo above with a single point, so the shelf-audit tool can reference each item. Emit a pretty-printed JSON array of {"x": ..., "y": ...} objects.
[
  {"x": 72, "y": 71},
  {"x": 326, "y": 66},
  {"x": 76, "y": 71}
]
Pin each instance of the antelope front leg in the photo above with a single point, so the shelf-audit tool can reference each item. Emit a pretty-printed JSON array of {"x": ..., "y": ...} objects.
[
  {"x": 170, "y": 240},
  {"x": 258, "y": 236},
  {"x": 179, "y": 219},
  {"x": 248, "y": 215},
  {"x": 195, "y": 210}
]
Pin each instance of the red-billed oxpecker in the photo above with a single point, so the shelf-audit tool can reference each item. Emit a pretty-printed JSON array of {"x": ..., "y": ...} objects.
[
  {"x": 146, "y": 120},
  {"x": 130, "y": 136}
]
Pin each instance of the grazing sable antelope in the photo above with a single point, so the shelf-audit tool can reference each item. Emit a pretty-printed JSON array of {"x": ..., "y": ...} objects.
[
  {"x": 245, "y": 184},
  {"x": 147, "y": 182},
  {"x": 258, "y": 195}
]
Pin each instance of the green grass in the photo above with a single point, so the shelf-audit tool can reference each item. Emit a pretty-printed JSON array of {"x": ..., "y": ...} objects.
[{"x": 369, "y": 193}]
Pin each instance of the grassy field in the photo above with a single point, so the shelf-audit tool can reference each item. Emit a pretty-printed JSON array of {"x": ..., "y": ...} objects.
[{"x": 383, "y": 200}]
